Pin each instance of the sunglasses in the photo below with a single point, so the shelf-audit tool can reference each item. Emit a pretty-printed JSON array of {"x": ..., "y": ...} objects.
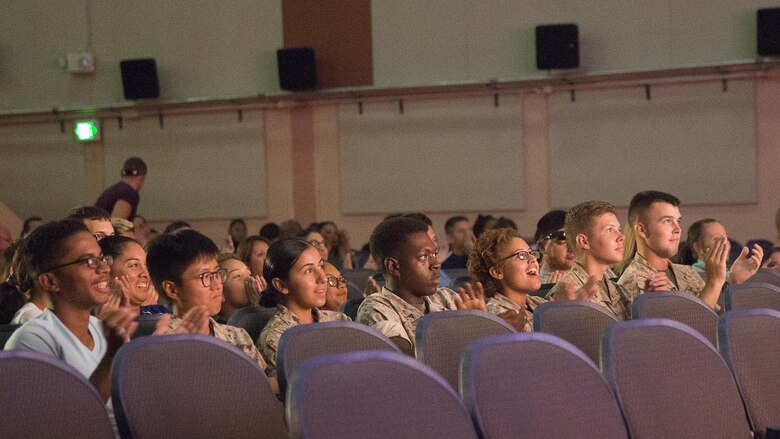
[{"x": 558, "y": 235}]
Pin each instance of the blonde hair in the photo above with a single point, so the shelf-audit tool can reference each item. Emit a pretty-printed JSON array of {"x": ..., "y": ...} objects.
[{"x": 485, "y": 255}]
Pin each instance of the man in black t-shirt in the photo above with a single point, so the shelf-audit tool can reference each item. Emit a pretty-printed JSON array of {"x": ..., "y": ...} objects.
[{"x": 121, "y": 199}]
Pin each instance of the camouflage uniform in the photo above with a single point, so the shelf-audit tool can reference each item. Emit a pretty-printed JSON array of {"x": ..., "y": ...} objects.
[
  {"x": 639, "y": 270},
  {"x": 394, "y": 317},
  {"x": 500, "y": 304},
  {"x": 282, "y": 320},
  {"x": 236, "y": 336},
  {"x": 611, "y": 296}
]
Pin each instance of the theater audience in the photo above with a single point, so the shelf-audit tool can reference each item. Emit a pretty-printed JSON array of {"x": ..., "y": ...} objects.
[
  {"x": 550, "y": 238},
  {"x": 252, "y": 252},
  {"x": 482, "y": 223},
  {"x": 237, "y": 232},
  {"x": 240, "y": 288},
  {"x": 270, "y": 231},
  {"x": 593, "y": 232},
  {"x": 460, "y": 239},
  {"x": 30, "y": 224},
  {"x": 508, "y": 270},
  {"x": 297, "y": 287},
  {"x": 141, "y": 230},
  {"x": 406, "y": 256},
  {"x": 289, "y": 229},
  {"x": 339, "y": 249},
  {"x": 37, "y": 299},
  {"x": 175, "y": 226},
  {"x": 504, "y": 223},
  {"x": 123, "y": 227},
  {"x": 183, "y": 266},
  {"x": 131, "y": 274},
  {"x": 121, "y": 200},
  {"x": 337, "y": 288},
  {"x": 443, "y": 250},
  {"x": 702, "y": 235},
  {"x": 316, "y": 239},
  {"x": 97, "y": 220}
]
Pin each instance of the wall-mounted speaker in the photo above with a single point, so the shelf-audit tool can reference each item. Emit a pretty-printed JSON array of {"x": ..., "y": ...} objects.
[
  {"x": 296, "y": 68},
  {"x": 768, "y": 30},
  {"x": 557, "y": 46},
  {"x": 139, "y": 78}
]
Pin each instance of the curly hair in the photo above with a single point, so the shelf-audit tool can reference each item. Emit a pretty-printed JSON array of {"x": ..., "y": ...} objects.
[{"x": 485, "y": 254}]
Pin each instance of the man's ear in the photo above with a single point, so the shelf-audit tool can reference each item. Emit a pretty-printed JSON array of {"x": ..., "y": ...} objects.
[
  {"x": 640, "y": 230},
  {"x": 170, "y": 290},
  {"x": 582, "y": 241},
  {"x": 496, "y": 272},
  {"x": 49, "y": 282},
  {"x": 392, "y": 266},
  {"x": 280, "y": 286}
]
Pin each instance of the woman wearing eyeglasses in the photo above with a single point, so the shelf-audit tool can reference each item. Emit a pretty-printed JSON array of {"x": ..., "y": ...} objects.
[
  {"x": 509, "y": 271},
  {"x": 297, "y": 287},
  {"x": 337, "y": 288}
]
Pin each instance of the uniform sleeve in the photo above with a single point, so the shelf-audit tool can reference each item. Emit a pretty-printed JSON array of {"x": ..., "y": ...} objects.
[
  {"x": 383, "y": 318},
  {"x": 245, "y": 342},
  {"x": 269, "y": 343}
]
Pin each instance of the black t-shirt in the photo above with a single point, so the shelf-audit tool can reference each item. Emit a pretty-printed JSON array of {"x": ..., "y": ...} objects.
[
  {"x": 119, "y": 191},
  {"x": 455, "y": 261}
]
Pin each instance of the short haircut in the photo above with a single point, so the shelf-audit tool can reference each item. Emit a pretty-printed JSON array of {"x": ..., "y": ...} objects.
[
  {"x": 480, "y": 223},
  {"x": 579, "y": 219},
  {"x": 503, "y": 222},
  {"x": 311, "y": 229},
  {"x": 451, "y": 221},
  {"x": 549, "y": 223},
  {"x": 114, "y": 245},
  {"x": 773, "y": 251},
  {"x": 696, "y": 229},
  {"x": 281, "y": 258},
  {"x": 270, "y": 231},
  {"x": 45, "y": 247},
  {"x": 176, "y": 225},
  {"x": 642, "y": 201},
  {"x": 391, "y": 235},
  {"x": 236, "y": 221},
  {"x": 418, "y": 216},
  {"x": 224, "y": 257},
  {"x": 244, "y": 250},
  {"x": 82, "y": 213},
  {"x": 169, "y": 255},
  {"x": 485, "y": 255}
]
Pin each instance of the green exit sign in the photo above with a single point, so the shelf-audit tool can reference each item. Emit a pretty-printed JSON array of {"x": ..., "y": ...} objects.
[{"x": 87, "y": 130}]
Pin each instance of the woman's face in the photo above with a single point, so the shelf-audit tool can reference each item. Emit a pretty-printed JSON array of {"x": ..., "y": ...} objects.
[
  {"x": 514, "y": 274},
  {"x": 257, "y": 257},
  {"x": 238, "y": 232},
  {"x": 234, "y": 288},
  {"x": 132, "y": 263},
  {"x": 306, "y": 286},
  {"x": 318, "y": 241},
  {"x": 330, "y": 232},
  {"x": 337, "y": 295}
]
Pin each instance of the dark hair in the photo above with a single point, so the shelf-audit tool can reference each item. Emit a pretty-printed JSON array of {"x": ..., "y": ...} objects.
[
  {"x": 26, "y": 225},
  {"x": 451, "y": 221},
  {"x": 636, "y": 208},
  {"x": 21, "y": 278},
  {"x": 391, "y": 235},
  {"x": 305, "y": 232},
  {"x": 113, "y": 245},
  {"x": 236, "y": 221},
  {"x": 281, "y": 257},
  {"x": 289, "y": 229},
  {"x": 480, "y": 223},
  {"x": 244, "y": 250},
  {"x": 504, "y": 223},
  {"x": 418, "y": 216},
  {"x": 695, "y": 230},
  {"x": 10, "y": 302},
  {"x": 270, "y": 231},
  {"x": 176, "y": 225},
  {"x": 169, "y": 255},
  {"x": 45, "y": 247},
  {"x": 548, "y": 223},
  {"x": 82, "y": 213}
]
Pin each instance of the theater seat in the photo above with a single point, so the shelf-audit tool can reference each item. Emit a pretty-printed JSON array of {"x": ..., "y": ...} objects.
[{"x": 680, "y": 306}]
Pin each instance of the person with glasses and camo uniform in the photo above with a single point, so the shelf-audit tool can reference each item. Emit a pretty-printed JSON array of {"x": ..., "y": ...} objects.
[
  {"x": 297, "y": 287},
  {"x": 593, "y": 231}
]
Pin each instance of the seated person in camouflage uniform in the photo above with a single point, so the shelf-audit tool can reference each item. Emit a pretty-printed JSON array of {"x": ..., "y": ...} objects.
[
  {"x": 593, "y": 231},
  {"x": 183, "y": 266},
  {"x": 406, "y": 256},
  {"x": 503, "y": 263},
  {"x": 297, "y": 287},
  {"x": 653, "y": 236}
]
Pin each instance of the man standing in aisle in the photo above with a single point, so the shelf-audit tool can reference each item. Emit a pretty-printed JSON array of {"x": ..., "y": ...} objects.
[{"x": 121, "y": 199}]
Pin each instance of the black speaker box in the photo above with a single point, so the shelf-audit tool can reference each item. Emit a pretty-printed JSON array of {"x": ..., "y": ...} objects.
[
  {"x": 139, "y": 78},
  {"x": 768, "y": 30},
  {"x": 557, "y": 46},
  {"x": 296, "y": 68}
]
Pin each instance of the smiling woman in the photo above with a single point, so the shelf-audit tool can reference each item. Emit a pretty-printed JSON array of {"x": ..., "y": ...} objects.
[{"x": 297, "y": 286}]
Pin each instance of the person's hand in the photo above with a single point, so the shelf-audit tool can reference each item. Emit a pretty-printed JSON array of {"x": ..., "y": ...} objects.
[
  {"x": 227, "y": 245},
  {"x": 745, "y": 267},
  {"x": 118, "y": 326},
  {"x": 587, "y": 291},
  {"x": 119, "y": 294},
  {"x": 469, "y": 298},
  {"x": 556, "y": 276},
  {"x": 195, "y": 321},
  {"x": 371, "y": 287},
  {"x": 518, "y": 320},
  {"x": 254, "y": 287},
  {"x": 658, "y": 282},
  {"x": 715, "y": 261}
]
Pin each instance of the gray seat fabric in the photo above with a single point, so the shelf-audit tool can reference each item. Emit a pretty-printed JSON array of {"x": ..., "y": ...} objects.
[
  {"x": 679, "y": 306},
  {"x": 252, "y": 318},
  {"x": 147, "y": 324},
  {"x": 373, "y": 395},
  {"x": 671, "y": 382},
  {"x": 750, "y": 295},
  {"x": 194, "y": 386},
  {"x": 302, "y": 342},
  {"x": 358, "y": 277},
  {"x": 750, "y": 344},
  {"x": 579, "y": 322},
  {"x": 44, "y": 397},
  {"x": 537, "y": 385},
  {"x": 442, "y": 337},
  {"x": 767, "y": 276}
]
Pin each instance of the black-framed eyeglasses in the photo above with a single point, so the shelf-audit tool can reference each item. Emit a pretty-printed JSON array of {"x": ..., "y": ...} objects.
[
  {"x": 558, "y": 235},
  {"x": 317, "y": 244},
  {"x": 92, "y": 262},
  {"x": 336, "y": 281},
  {"x": 522, "y": 255},
  {"x": 208, "y": 277}
]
